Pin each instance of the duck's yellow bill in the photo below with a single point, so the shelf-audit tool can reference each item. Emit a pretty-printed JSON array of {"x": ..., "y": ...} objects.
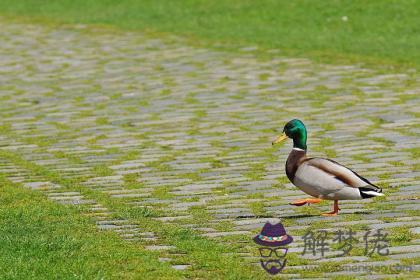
[{"x": 279, "y": 139}]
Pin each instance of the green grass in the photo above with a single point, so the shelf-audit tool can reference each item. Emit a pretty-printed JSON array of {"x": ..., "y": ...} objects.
[
  {"x": 204, "y": 254},
  {"x": 40, "y": 239},
  {"x": 377, "y": 31}
]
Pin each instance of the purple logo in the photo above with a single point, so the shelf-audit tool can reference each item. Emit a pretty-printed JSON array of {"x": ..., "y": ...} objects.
[{"x": 273, "y": 239}]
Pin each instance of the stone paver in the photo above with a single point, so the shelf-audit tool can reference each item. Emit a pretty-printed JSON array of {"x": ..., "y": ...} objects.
[{"x": 158, "y": 124}]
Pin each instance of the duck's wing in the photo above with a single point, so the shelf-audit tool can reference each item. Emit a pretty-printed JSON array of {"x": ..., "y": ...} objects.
[
  {"x": 340, "y": 172},
  {"x": 326, "y": 176}
]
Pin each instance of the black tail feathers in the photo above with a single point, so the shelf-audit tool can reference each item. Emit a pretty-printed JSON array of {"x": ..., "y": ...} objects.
[{"x": 370, "y": 191}]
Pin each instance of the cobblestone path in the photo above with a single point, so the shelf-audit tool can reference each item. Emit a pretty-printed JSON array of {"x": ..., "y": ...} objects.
[{"x": 182, "y": 135}]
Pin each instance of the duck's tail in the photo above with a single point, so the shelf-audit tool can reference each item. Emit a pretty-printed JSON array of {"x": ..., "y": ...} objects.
[{"x": 370, "y": 191}]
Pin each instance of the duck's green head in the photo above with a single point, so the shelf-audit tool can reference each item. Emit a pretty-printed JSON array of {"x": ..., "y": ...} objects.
[{"x": 296, "y": 130}]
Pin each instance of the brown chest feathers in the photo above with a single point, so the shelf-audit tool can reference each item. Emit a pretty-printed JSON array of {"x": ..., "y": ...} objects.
[{"x": 296, "y": 157}]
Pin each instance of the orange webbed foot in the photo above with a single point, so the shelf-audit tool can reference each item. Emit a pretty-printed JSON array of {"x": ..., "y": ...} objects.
[
  {"x": 330, "y": 214},
  {"x": 301, "y": 202},
  {"x": 334, "y": 212}
]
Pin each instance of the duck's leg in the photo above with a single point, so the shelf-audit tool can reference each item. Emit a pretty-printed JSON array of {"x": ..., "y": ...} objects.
[
  {"x": 334, "y": 212},
  {"x": 301, "y": 202}
]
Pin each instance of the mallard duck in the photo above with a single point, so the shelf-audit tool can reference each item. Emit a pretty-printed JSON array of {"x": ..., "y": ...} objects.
[{"x": 321, "y": 178}]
